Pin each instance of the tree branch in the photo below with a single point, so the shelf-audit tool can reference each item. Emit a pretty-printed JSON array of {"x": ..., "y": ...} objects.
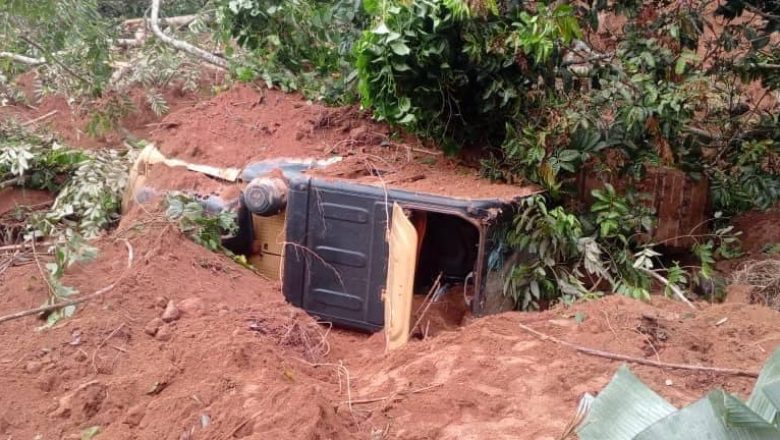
[
  {"x": 767, "y": 65},
  {"x": 55, "y": 60},
  {"x": 676, "y": 290},
  {"x": 182, "y": 45},
  {"x": 23, "y": 59},
  {"x": 636, "y": 360},
  {"x": 76, "y": 301}
]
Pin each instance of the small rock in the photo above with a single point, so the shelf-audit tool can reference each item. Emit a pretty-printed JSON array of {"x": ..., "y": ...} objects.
[
  {"x": 33, "y": 367},
  {"x": 192, "y": 306},
  {"x": 160, "y": 302},
  {"x": 152, "y": 326},
  {"x": 164, "y": 333},
  {"x": 171, "y": 313},
  {"x": 669, "y": 382},
  {"x": 47, "y": 383},
  {"x": 135, "y": 415},
  {"x": 80, "y": 356}
]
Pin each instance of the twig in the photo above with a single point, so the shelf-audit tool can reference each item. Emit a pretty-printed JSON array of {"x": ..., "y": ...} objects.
[
  {"x": 429, "y": 299},
  {"x": 676, "y": 290},
  {"x": 102, "y": 343},
  {"x": 40, "y": 118},
  {"x": 76, "y": 301},
  {"x": 45, "y": 277},
  {"x": 340, "y": 369},
  {"x": 395, "y": 395},
  {"x": 182, "y": 45},
  {"x": 636, "y": 360}
]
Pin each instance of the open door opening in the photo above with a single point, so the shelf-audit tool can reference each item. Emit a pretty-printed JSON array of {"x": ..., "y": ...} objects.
[{"x": 445, "y": 257}]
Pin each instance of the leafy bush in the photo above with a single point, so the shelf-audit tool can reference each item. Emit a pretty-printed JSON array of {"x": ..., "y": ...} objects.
[
  {"x": 605, "y": 245},
  {"x": 204, "y": 228},
  {"x": 452, "y": 73},
  {"x": 70, "y": 35},
  {"x": 295, "y": 45}
]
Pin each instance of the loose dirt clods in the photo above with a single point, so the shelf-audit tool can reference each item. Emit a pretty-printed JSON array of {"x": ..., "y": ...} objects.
[{"x": 190, "y": 345}]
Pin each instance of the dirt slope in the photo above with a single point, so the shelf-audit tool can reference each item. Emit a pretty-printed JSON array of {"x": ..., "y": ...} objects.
[
  {"x": 241, "y": 360},
  {"x": 238, "y": 362}
]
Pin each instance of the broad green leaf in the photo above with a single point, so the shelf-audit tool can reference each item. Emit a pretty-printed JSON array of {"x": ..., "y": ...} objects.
[
  {"x": 399, "y": 48},
  {"x": 623, "y": 409},
  {"x": 772, "y": 392},
  {"x": 759, "y": 401},
  {"x": 381, "y": 29},
  {"x": 706, "y": 419},
  {"x": 738, "y": 415}
]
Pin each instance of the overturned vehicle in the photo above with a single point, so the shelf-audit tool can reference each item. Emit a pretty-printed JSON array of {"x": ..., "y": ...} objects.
[{"x": 353, "y": 249}]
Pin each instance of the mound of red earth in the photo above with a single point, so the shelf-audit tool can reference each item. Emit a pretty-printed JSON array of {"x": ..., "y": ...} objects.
[{"x": 189, "y": 345}]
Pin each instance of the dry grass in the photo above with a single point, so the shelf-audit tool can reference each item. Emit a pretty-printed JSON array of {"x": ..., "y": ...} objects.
[{"x": 764, "y": 275}]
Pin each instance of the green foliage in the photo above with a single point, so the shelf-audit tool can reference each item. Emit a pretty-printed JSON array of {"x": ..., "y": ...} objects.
[
  {"x": 139, "y": 8},
  {"x": 763, "y": 60},
  {"x": 91, "y": 199},
  {"x": 611, "y": 244},
  {"x": 70, "y": 35},
  {"x": 205, "y": 228},
  {"x": 156, "y": 67},
  {"x": 34, "y": 161},
  {"x": 70, "y": 250},
  {"x": 553, "y": 237},
  {"x": 438, "y": 68},
  {"x": 89, "y": 185},
  {"x": 105, "y": 118},
  {"x": 628, "y": 410},
  {"x": 295, "y": 45}
]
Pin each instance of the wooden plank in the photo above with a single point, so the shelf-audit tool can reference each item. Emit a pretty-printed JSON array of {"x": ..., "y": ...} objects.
[{"x": 402, "y": 263}]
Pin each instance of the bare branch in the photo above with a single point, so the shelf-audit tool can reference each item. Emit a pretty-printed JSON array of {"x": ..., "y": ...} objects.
[
  {"x": 182, "y": 45},
  {"x": 180, "y": 20},
  {"x": 636, "y": 360},
  {"x": 23, "y": 59},
  {"x": 76, "y": 301},
  {"x": 676, "y": 290}
]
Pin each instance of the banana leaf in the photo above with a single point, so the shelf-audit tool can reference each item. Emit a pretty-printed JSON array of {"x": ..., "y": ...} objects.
[
  {"x": 759, "y": 400},
  {"x": 623, "y": 409}
]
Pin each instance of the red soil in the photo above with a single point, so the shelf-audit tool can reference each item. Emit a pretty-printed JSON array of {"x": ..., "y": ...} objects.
[
  {"x": 254, "y": 367},
  {"x": 240, "y": 363},
  {"x": 248, "y": 124}
]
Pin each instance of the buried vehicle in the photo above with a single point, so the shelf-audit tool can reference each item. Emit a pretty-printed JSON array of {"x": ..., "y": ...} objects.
[
  {"x": 353, "y": 252},
  {"x": 353, "y": 247}
]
